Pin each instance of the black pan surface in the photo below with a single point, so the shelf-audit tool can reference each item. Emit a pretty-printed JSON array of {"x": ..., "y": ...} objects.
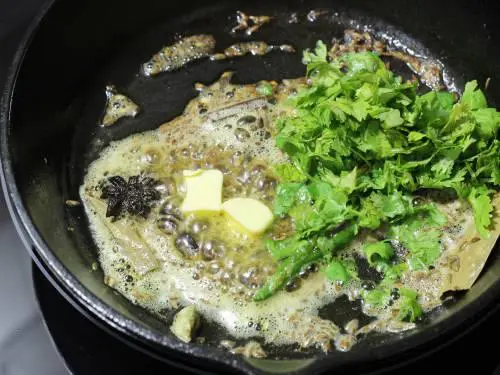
[
  {"x": 55, "y": 96},
  {"x": 91, "y": 350}
]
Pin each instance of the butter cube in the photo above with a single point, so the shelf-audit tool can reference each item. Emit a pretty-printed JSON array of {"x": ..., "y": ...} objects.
[
  {"x": 203, "y": 191},
  {"x": 253, "y": 215}
]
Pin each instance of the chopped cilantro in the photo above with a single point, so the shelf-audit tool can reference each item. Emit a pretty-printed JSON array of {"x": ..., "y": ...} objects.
[
  {"x": 378, "y": 251},
  {"x": 409, "y": 308},
  {"x": 361, "y": 143},
  {"x": 378, "y": 297},
  {"x": 265, "y": 89},
  {"x": 336, "y": 271}
]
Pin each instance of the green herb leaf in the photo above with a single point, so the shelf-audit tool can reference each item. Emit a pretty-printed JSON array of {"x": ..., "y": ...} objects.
[
  {"x": 378, "y": 297},
  {"x": 376, "y": 251},
  {"x": 481, "y": 204},
  {"x": 289, "y": 173},
  {"x": 361, "y": 143},
  {"x": 419, "y": 233},
  {"x": 409, "y": 308},
  {"x": 336, "y": 271},
  {"x": 265, "y": 89},
  {"x": 286, "y": 195}
]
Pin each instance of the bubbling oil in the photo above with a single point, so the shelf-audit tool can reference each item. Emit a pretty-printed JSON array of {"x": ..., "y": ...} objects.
[
  {"x": 222, "y": 275},
  {"x": 204, "y": 261}
]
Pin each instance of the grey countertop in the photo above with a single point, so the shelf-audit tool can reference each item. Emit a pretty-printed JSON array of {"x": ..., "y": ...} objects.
[{"x": 25, "y": 346}]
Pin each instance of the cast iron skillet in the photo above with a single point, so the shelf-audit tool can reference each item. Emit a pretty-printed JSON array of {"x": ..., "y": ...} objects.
[{"x": 49, "y": 134}]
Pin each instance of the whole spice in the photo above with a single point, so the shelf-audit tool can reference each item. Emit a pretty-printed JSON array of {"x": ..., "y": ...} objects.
[{"x": 134, "y": 197}]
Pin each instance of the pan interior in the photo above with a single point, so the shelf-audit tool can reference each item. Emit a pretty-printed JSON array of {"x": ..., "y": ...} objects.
[{"x": 51, "y": 170}]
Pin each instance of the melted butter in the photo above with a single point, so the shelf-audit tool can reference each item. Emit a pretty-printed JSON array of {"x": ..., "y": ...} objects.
[
  {"x": 254, "y": 48},
  {"x": 117, "y": 106},
  {"x": 235, "y": 137},
  {"x": 229, "y": 127},
  {"x": 179, "y": 54},
  {"x": 249, "y": 24}
]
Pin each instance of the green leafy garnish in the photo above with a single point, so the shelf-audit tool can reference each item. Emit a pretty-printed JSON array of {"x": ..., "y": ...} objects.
[
  {"x": 378, "y": 251},
  {"x": 289, "y": 173},
  {"x": 265, "y": 89},
  {"x": 403, "y": 300},
  {"x": 409, "y": 308},
  {"x": 336, "y": 271},
  {"x": 379, "y": 297},
  {"x": 362, "y": 144}
]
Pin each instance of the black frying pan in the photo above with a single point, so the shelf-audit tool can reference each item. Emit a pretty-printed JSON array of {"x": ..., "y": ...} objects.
[{"x": 49, "y": 134}]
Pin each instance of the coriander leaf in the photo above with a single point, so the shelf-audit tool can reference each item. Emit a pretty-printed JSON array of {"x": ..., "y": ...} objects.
[
  {"x": 361, "y": 143},
  {"x": 378, "y": 208},
  {"x": 285, "y": 197},
  {"x": 415, "y": 136},
  {"x": 289, "y": 173},
  {"x": 481, "y": 204},
  {"x": 363, "y": 62},
  {"x": 378, "y": 297},
  {"x": 336, "y": 271},
  {"x": 375, "y": 141},
  {"x": 421, "y": 237},
  {"x": 287, "y": 269},
  {"x": 319, "y": 54},
  {"x": 393, "y": 272},
  {"x": 488, "y": 122},
  {"x": 280, "y": 249},
  {"x": 396, "y": 204},
  {"x": 390, "y": 119},
  {"x": 473, "y": 97},
  {"x": 378, "y": 251},
  {"x": 434, "y": 218},
  {"x": 347, "y": 181},
  {"x": 265, "y": 89},
  {"x": 409, "y": 308},
  {"x": 433, "y": 109}
]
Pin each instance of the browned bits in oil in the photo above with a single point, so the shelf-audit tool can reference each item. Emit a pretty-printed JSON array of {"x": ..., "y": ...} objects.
[
  {"x": 428, "y": 71},
  {"x": 250, "y": 350},
  {"x": 72, "y": 203},
  {"x": 294, "y": 18},
  {"x": 352, "y": 326},
  {"x": 314, "y": 14},
  {"x": 179, "y": 54},
  {"x": 218, "y": 56},
  {"x": 117, "y": 106},
  {"x": 287, "y": 48},
  {"x": 454, "y": 263},
  {"x": 258, "y": 48},
  {"x": 199, "y": 86},
  {"x": 345, "y": 342},
  {"x": 241, "y": 49},
  {"x": 243, "y": 21}
]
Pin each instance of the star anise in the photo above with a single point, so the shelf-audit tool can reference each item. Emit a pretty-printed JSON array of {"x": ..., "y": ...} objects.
[{"x": 134, "y": 197}]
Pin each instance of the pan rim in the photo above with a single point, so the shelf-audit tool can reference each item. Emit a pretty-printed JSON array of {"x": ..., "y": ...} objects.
[{"x": 36, "y": 244}]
